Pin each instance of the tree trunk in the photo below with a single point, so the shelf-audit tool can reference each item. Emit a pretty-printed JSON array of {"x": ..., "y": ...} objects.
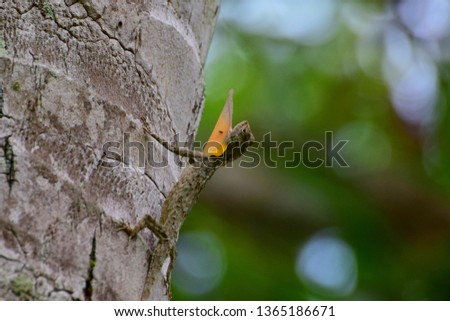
[{"x": 75, "y": 75}]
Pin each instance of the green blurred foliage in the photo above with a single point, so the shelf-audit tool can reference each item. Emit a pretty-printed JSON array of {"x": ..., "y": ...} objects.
[{"x": 390, "y": 206}]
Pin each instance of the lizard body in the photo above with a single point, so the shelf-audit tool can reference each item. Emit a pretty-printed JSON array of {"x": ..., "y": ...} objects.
[{"x": 233, "y": 143}]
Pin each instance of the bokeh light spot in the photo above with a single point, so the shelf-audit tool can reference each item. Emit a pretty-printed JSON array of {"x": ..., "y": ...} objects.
[
  {"x": 200, "y": 264},
  {"x": 310, "y": 22},
  {"x": 327, "y": 264},
  {"x": 414, "y": 88},
  {"x": 428, "y": 19}
]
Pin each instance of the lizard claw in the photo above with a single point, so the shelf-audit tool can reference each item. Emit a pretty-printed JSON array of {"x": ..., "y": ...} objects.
[{"x": 122, "y": 226}]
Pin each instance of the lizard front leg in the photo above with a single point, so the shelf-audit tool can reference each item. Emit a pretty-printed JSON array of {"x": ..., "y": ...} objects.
[
  {"x": 162, "y": 259},
  {"x": 146, "y": 222}
]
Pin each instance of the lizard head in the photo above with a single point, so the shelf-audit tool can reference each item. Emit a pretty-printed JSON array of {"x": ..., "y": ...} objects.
[
  {"x": 241, "y": 133},
  {"x": 241, "y": 137}
]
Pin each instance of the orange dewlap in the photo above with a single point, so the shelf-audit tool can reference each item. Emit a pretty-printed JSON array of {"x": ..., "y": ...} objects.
[{"x": 217, "y": 142}]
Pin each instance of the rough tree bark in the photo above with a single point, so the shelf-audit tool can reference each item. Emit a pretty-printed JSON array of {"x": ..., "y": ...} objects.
[{"x": 73, "y": 76}]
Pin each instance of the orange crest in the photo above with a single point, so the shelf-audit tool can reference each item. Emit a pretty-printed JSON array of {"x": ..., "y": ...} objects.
[{"x": 217, "y": 142}]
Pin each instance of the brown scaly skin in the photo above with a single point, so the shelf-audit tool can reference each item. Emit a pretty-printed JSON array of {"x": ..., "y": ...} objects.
[{"x": 180, "y": 201}]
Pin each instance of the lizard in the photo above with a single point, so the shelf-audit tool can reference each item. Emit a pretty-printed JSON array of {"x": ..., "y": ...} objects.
[{"x": 225, "y": 145}]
